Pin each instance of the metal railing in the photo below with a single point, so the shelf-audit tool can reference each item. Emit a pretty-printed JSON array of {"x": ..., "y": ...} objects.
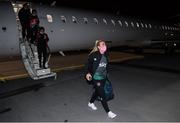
[{"x": 31, "y": 62}]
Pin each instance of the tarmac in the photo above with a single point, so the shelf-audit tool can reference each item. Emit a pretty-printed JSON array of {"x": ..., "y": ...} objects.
[
  {"x": 14, "y": 69},
  {"x": 146, "y": 90}
]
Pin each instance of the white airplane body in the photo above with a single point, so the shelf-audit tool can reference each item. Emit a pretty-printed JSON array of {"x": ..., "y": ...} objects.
[{"x": 73, "y": 29}]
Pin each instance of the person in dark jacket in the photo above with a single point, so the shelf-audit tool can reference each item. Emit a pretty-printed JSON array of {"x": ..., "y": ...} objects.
[
  {"x": 96, "y": 71},
  {"x": 24, "y": 17},
  {"x": 41, "y": 42},
  {"x": 34, "y": 25}
]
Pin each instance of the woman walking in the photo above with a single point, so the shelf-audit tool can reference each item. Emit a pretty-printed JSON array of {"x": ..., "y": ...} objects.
[{"x": 96, "y": 72}]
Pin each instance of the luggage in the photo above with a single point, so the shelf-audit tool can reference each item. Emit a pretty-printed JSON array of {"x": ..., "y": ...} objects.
[
  {"x": 109, "y": 95},
  {"x": 108, "y": 90}
]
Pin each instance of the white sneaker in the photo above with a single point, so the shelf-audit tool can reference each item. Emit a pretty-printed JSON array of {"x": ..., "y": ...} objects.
[
  {"x": 111, "y": 114},
  {"x": 91, "y": 105}
]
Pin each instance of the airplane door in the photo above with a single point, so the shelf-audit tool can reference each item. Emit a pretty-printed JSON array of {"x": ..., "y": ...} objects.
[{"x": 8, "y": 30}]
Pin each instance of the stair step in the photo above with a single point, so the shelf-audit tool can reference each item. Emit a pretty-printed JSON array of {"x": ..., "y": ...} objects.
[
  {"x": 31, "y": 62},
  {"x": 36, "y": 66},
  {"x": 46, "y": 76},
  {"x": 41, "y": 72}
]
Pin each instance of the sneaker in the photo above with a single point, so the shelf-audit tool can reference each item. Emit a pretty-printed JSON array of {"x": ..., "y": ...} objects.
[
  {"x": 91, "y": 105},
  {"x": 111, "y": 114}
]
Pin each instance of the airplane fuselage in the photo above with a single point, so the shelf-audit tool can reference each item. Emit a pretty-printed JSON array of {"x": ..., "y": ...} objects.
[{"x": 73, "y": 29}]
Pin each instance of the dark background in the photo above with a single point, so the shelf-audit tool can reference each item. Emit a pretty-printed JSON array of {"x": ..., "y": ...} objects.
[{"x": 155, "y": 9}]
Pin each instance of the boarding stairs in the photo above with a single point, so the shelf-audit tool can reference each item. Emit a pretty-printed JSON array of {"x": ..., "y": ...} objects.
[
  {"x": 30, "y": 56},
  {"x": 31, "y": 61}
]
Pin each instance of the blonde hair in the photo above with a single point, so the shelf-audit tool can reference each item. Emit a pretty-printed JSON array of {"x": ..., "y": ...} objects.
[{"x": 95, "y": 49}]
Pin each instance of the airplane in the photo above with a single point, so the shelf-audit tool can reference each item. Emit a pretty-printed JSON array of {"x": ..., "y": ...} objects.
[
  {"x": 71, "y": 29},
  {"x": 74, "y": 29}
]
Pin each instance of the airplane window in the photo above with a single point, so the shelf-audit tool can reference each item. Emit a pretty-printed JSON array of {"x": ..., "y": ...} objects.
[
  {"x": 168, "y": 28},
  {"x": 74, "y": 19},
  {"x": 150, "y": 26},
  {"x": 113, "y": 22},
  {"x": 132, "y": 24},
  {"x": 63, "y": 19},
  {"x": 120, "y": 23},
  {"x": 137, "y": 24},
  {"x": 163, "y": 27},
  {"x": 126, "y": 23},
  {"x": 146, "y": 26},
  {"x": 95, "y": 20},
  {"x": 142, "y": 25},
  {"x": 49, "y": 18},
  {"x": 85, "y": 20},
  {"x": 104, "y": 20}
]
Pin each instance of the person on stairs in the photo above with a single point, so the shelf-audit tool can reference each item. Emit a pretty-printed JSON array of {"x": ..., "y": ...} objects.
[{"x": 42, "y": 45}]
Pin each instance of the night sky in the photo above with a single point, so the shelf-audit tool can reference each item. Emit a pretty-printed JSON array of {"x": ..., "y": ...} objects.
[{"x": 155, "y": 9}]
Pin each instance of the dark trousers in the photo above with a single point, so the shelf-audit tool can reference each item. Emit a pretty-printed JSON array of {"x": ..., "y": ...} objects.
[
  {"x": 25, "y": 30},
  {"x": 33, "y": 34},
  {"x": 99, "y": 92},
  {"x": 42, "y": 51}
]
